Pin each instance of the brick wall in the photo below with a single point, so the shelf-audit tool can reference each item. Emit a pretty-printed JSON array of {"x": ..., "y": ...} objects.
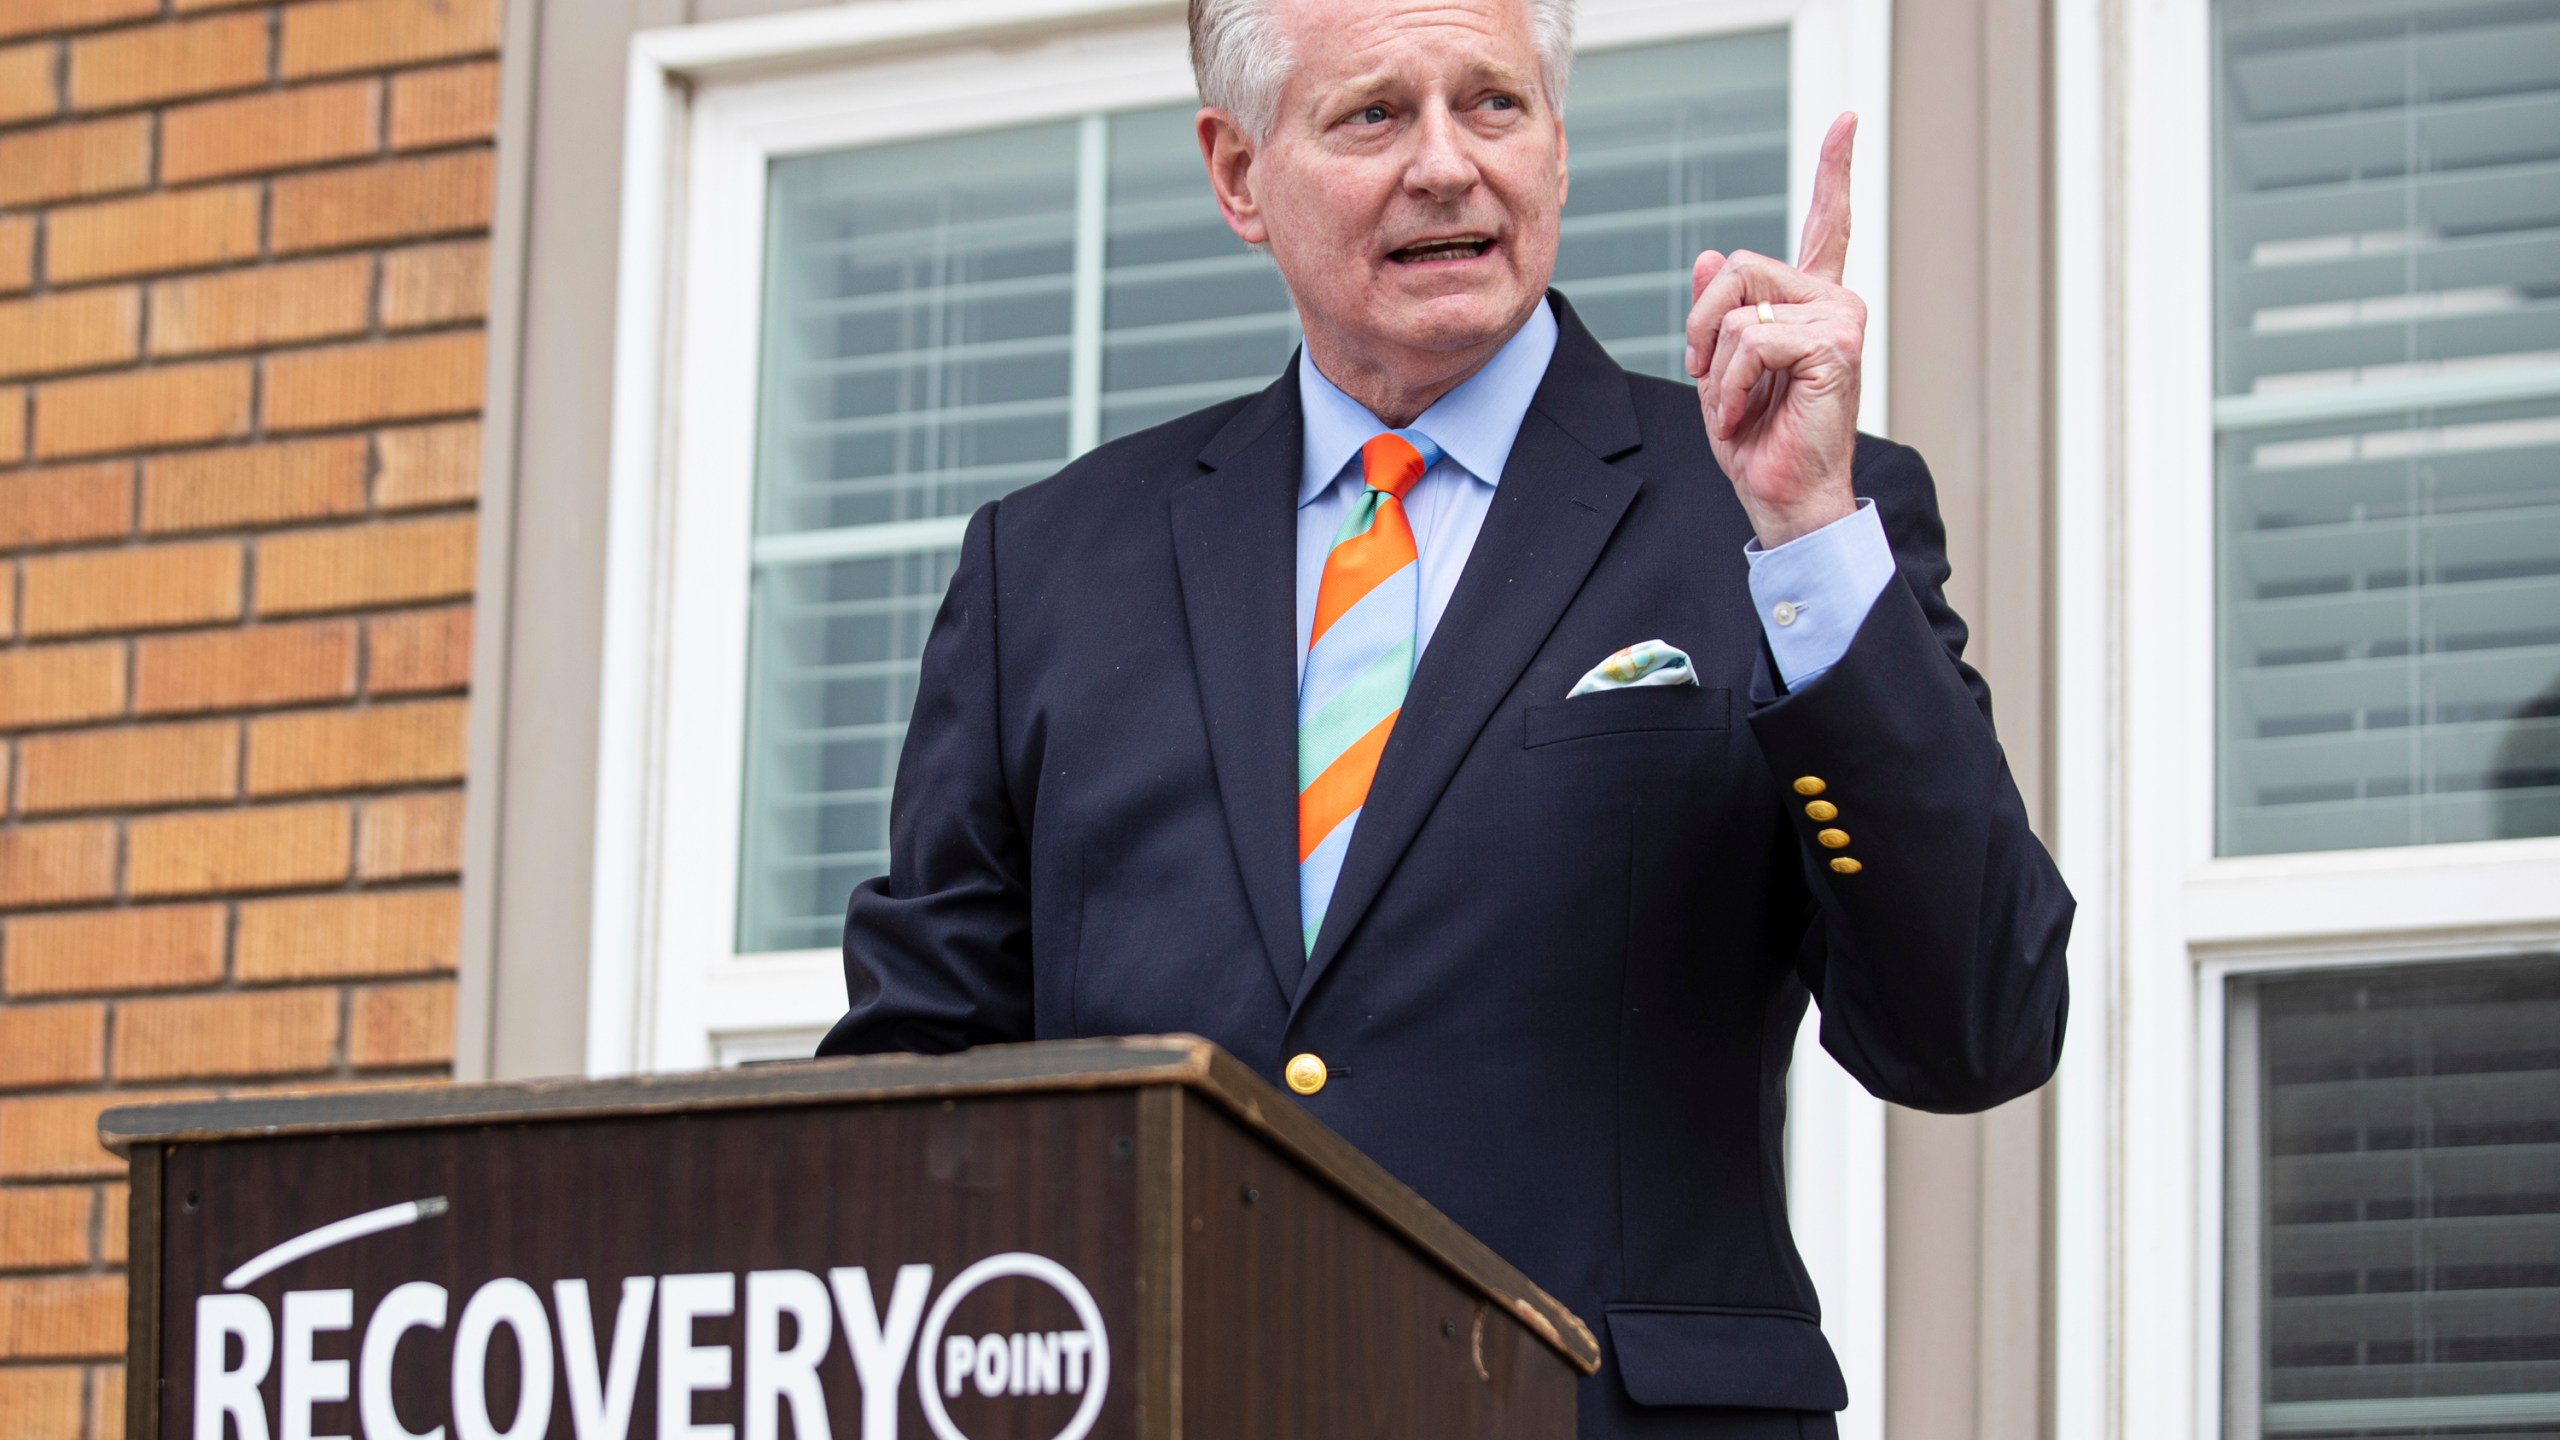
[{"x": 242, "y": 273}]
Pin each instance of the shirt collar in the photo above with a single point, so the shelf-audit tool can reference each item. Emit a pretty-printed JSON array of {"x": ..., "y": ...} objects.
[{"x": 1474, "y": 425}]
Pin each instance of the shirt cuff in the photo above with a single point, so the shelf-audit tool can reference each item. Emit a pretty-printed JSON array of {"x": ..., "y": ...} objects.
[{"x": 1813, "y": 592}]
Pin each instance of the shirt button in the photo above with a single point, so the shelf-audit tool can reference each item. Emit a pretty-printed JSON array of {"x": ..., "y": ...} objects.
[
  {"x": 1784, "y": 613},
  {"x": 1305, "y": 1074}
]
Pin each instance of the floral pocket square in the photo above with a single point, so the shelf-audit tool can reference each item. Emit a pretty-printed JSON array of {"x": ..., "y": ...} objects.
[{"x": 1647, "y": 662}]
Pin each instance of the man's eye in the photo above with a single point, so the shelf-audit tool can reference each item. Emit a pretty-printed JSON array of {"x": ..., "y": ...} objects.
[
  {"x": 1373, "y": 115},
  {"x": 1501, "y": 102}
]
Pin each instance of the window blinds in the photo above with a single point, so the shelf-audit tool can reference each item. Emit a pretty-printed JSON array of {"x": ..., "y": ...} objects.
[
  {"x": 948, "y": 319},
  {"x": 2404, "y": 1201},
  {"x": 2388, "y": 423}
]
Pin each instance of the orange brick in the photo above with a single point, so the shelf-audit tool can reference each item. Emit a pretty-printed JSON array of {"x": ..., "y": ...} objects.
[
  {"x": 115, "y": 1226},
  {"x": 271, "y": 1032},
  {"x": 72, "y": 502},
  {"x": 51, "y": 1045},
  {"x": 401, "y": 1025},
  {"x": 406, "y": 837},
  {"x": 44, "y": 1228},
  {"x": 254, "y": 485},
  {"x": 8, "y": 600},
  {"x": 42, "y": 1401},
  {"x": 163, "y": 405},
  {"x": 270, "y": 131},
  {"x": 129, "y": 766},
  {"x": 54, "y": 684},
  {"x": 444, "y": 106},
  {"x": 366, "y": 565},
  {"x": 106, "y": 1406},
  {"x": 435, "y": 284},
  {"x": 168, "y": 62},
  {"x": 132, "y": 589},
  {"x": 175, "y": 231},
  {"x": 13, "y": 424},
  {"x": 17, "y": 252},
  {"x": 88, "y": 157},
  {"x": 27, "y": 91},
  {"x": 55, "y": 1137},
  {"x": 32, "y": 17},
  {"x": 391, "y": 201},
  {"x": 57, "y": 864},
  {"x": 304, "y": 751},
  {"x": 58, "y": 1317},
  {"x": 271, "y": 305},
  {"x": 359, "y": 384},
  {"x": 94, "y": 952},
  {"x": 245, "y": 669},
  {"x": 70, "y": 330},
  {"x": 270, "y": 848},
  {"x": 419, "y": 651},
  {"x": 333, "y": 36},
  {"x": 428, "y": 465},
  {"x": 389, "y": 932}
]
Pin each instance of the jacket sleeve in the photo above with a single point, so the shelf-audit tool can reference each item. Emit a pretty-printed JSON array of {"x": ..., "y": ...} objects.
[
  {"x": 1935, "y": 940},
  {"x": 937, "y": 953}
]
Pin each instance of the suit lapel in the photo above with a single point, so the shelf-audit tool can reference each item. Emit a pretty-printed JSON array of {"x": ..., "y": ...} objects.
[
  {"x": 1552, "y": 515},
  {"x": 1235, "y": 546}
]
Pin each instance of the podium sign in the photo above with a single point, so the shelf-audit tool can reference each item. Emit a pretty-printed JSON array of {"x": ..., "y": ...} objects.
[{"x": 1090, "y": 1238}]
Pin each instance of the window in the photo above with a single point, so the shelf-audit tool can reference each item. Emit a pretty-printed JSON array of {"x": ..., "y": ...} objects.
[
  {"x": 948, "y": 318},
  {"x": 2394, "y": 1190},
  {"x": 2388, "y": 423}
]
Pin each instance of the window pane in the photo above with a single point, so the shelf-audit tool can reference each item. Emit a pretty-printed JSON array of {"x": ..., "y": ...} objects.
[
  {"x": 1675, "y": 149},
  {"x": 2388, "y": 336},
  {"x": 948, "y": 319},
  {"x": 2407, "y": 1200}
]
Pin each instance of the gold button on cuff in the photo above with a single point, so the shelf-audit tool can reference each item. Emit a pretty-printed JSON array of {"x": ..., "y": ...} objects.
[
  {"x": 1811, "y": 785},
  {"x": 1821, "y": 810},
  {"x": 1305, "y": 1074},
  {"x": 1843, "y": 865},
  {"x": 1832, "y": 839}
]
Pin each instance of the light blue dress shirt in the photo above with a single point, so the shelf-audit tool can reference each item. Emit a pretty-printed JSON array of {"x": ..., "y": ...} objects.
[{"x": 1811, "y": 592}]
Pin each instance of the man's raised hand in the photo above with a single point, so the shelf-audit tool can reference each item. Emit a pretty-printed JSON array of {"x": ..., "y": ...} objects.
[{"x": 1780, "y": 394}]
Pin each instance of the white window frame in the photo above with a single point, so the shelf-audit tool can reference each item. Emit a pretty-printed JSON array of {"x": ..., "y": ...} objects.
[
  {"x": 2165, "y": 924},
  {"x": 707, "y": 107}
]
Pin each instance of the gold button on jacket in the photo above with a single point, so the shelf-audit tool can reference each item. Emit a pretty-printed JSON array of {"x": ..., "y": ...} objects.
[
  {"x": 1811, "y": 785},
  {"x": 1832, "y": 839},
  {"x": 1305, "y": 1074},
  {"x": 1821, "y": 810},
  {"x": 1843, "y": 865}
]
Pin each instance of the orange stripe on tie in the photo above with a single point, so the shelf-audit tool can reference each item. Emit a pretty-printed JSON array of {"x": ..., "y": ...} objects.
[
  {"x": 1389, "y": 462},
  {"x": 1360, "y": 564},
  {"x": 1343, "y": 787}
]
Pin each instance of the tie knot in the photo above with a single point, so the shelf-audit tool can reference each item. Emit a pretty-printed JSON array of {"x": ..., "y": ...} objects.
[{"x": 1394, "y": 460}]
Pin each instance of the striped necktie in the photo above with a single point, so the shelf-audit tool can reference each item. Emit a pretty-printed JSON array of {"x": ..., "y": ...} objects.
[{"x": 1359, "y": 660}]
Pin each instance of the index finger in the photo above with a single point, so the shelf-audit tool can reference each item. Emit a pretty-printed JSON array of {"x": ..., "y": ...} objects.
[{"x": 1824, "y": 250}]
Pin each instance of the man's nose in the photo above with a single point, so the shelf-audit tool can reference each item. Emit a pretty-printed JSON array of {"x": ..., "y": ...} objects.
[{"x": 1442, "y": 168}]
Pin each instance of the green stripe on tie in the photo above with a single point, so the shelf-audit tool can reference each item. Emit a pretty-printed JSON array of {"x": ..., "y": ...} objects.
[{"x": 1372, "y": 696}]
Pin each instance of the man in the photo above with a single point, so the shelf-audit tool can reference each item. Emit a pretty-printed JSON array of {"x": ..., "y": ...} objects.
[{"x": 1303, "y": 723}]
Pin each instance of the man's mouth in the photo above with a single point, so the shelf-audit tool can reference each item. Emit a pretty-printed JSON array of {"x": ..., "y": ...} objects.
[{"x": 1458, "y": 247}]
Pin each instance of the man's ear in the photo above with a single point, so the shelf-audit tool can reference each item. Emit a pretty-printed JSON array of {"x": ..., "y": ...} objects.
[
  {"x": 1229, "y": 156},
  {"x": 1564, "y": 171}
]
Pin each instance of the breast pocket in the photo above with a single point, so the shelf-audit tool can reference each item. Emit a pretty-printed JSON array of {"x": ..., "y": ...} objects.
[{"x": 1632, "y": 710}]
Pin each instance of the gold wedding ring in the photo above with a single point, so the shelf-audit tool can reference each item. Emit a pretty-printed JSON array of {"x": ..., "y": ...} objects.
[{"x": 1768, "y": 315}]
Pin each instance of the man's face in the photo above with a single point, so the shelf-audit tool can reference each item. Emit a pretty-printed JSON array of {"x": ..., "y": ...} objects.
[{"x": 1410, "y": 186}]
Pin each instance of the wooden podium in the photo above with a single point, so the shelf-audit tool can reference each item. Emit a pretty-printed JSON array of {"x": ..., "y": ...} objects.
[{"x": 1086, "y": 1238}]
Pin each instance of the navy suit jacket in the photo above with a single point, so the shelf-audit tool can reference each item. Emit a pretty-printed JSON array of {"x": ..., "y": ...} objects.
[{"x": 1562, "y": 971}]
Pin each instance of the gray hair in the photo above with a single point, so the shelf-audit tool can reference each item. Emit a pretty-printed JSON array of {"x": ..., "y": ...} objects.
[{"x": 1241, "y": 60}]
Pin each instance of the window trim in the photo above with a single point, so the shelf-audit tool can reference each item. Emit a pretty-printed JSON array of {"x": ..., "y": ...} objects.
[
  {"x": 702, "y": 95},
  {"x": 2164, "y": 922}
]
